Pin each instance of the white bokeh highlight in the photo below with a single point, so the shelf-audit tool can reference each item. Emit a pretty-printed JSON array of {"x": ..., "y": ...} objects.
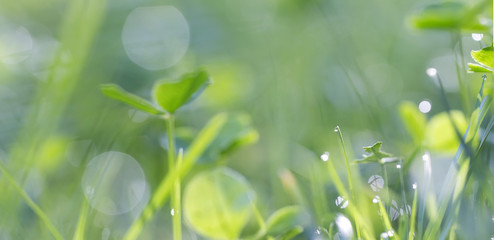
[
  {"x": 156, "y": 37},
  {"x": 425, "y": 106},
  {"x": 113, "y": 183},
  {"x": 16, "y": 43}
]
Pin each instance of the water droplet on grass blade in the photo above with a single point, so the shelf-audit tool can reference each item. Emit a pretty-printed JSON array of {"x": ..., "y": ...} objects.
[
  {"x": 376, "y": 199},
  {"x": 155, "y": 37},
  {"x": 337, "y": 129},
  {"x": 113, "y": 183},
  {"x": 344, "y": 226},
  {"x": 431, "y": 72},
  {"x": 325, "y": 156},
  {"x": 414, "y": 186},
  {"x": 376, "y": 182},
  {"x": 172, "y": 212},
  {"x": 341, "y": 202},
  {"x": 425, "y": 106}
]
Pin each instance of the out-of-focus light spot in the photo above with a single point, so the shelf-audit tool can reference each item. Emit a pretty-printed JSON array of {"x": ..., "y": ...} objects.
[
  {"x": 398, "y": 166},
  {"x": 16, "y": 43},
  {"x": 376, "y": 182},
  {"x": 414, "y": 186},
  {"x": 425, "y": 106},
  {"x": 376, "y": 199},
  {"x": 431, "y": 72},
  {"x": 391, "y": 233},
  {"x": 325, "y": 156},
  {"x": 477, "y": 36},
  {"x": 113, "y": 183},
  {"x": 344, "y": 226},
  {"x": 172, "y": 212},
  {"x": 155, "y": 37},
  {"x": 341, "y": 202},
  {"x": 427, "y": 164}
]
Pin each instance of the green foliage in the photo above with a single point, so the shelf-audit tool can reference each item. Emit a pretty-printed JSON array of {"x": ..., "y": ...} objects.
[
  {"x": 449, "y": 16},
  {"x": 375, "y": 155},
  {"x": 283, "y": 220},
  {"x": 116, "y": 92},
  {"x": 172, "y": 95},
  {"x": 218, "y": 203},
  {"x": 485, "y": 57},
  {"x": 440, "y": 133},
  {"x": 414, "y": 121},
  {"x": 236, "y": 132}
]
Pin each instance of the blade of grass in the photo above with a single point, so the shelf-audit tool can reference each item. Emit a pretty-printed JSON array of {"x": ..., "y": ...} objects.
[
  {"x": 349, "y": 176},
  {"x": 413, "y": 216},
  {"x": 81, "y": 223},
  {"x": 204, "y": 138},
  {"x": 175, "y": 202},
  {"x": 44, "y": 218},
  {"x": 387, "y": 223}
]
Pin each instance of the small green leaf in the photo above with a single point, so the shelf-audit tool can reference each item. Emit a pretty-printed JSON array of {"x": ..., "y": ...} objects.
[
  {"x": 473, "y": 67},
  {"x": 218, "y": 203},
  {"x": 485, "y": 57},
  {"x": 414, "y": 121},
  {"x": 116, "y": 92},
  {"x": 440, "y": 134},
  {"x": 172, "y": 95},
  {"x": 282, "y": 220},
  {"x": 376, "y": 155}
]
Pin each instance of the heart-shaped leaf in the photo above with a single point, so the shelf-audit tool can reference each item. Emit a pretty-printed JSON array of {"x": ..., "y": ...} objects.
[
  {"x": 283, "y": 220},
  {"x": 116, "y": 92},
  {"x": 218, "y": 203},
  {"x": 485, "y": 57},
  {"x": 172, "y": 95}
]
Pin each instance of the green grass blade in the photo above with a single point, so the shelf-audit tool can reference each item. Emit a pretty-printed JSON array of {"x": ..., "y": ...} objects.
[
  {"x": 413, "y": 216},
  {"x": 81, "y": 223},
  {"x": 205, "y": 137},
  {"x": 44, "y": 218}
]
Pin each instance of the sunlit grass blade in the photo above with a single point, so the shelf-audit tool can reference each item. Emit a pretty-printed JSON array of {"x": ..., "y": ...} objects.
[
  {"x": 44, "y": 218},
  {"x": 116, "y": 92},
  {"x": 387, "y": 223},
  {"x": 81, "y": 223},
  {"x": 413, "y": 216},
  {"x": 204, "y": 138}
]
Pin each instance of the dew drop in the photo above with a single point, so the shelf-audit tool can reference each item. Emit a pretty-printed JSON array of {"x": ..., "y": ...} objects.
[
  {"x": 431, "y": 72},
  {"x": 341, "y": 202},
  {"x": 172, "y": 212},
  {"x": 344, "y": 226},
  {"x": 414, "y": 186},
  {"x": 376, "y": 199},
  {"x": 425, "y": 106},
  {"x": 337, "y": 129},
  {"x": 391, "y": 233},
  {"x": 113, "y": 183},
  {"x": 398, "y": 166},
  {"x": 325, "y": 156},
  {"x": 477, "y": 36},
  {"x": 376, "y": 182}
]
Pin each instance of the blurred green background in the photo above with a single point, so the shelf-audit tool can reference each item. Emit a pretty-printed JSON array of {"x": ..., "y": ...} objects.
[{"x": 298, "y": 68}]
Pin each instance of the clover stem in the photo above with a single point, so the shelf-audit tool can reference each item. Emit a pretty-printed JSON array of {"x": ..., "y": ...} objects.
[{"x": 175, "y": 200}]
